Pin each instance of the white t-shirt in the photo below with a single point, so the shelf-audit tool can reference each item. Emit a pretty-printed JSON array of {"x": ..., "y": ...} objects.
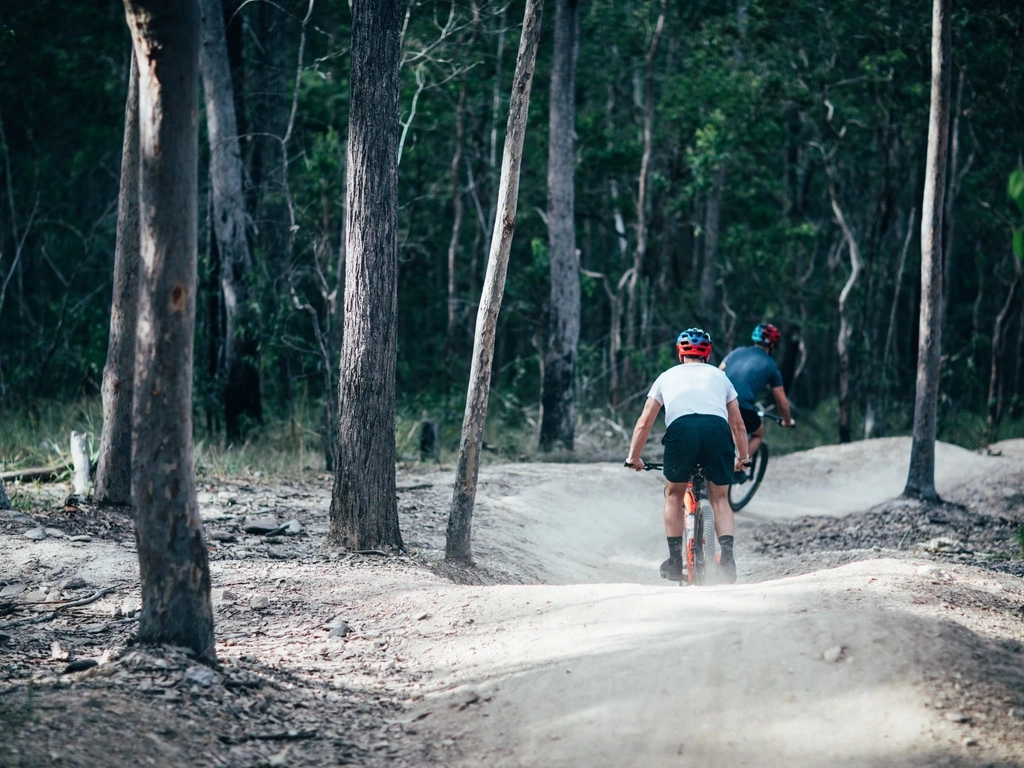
[{"x": 693, "y": 388}]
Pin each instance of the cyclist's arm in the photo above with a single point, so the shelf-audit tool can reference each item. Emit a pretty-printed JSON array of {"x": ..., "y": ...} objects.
[
  {"x": 782, "y": 403},
  {"x": 739, "y": 430},
  {"x": 641, "y": 432}
]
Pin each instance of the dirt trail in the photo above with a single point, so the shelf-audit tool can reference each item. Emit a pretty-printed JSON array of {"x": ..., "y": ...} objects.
[{"x": 583, "y": 656}]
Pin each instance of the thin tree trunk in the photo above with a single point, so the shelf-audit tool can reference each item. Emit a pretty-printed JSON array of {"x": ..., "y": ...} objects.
[
  {"x": 641, "y": 201},
  {"x": 952, "y": 191},
  {"x": 364, "y": 511},
  {"x": 453, "y": 243},
  {"x": 921, "y": 476},
  {"x": 898, "y": 282},
  {"x": 712, "y": 227},
  {"x": 5, "y": 503},
  {"x": 1018, "y": 374},
  {"x": 458, "y": 547},
  {"x": 558, "y": 412},
  {"x": 176, "y": 607},
  {"x": 995, "y": 379},
  {"x": 113, "y": 471},
  {"x": 845, "y": 331},
  {"x": 492, "y": 154},
  {"x": 241, "y": 345}
]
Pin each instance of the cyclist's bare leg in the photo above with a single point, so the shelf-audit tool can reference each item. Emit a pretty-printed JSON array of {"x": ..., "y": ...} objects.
[
  {"x": 674, "y": 519},
  {"x": 718, "y": 495},
  {"x": 754, "y": 440}
]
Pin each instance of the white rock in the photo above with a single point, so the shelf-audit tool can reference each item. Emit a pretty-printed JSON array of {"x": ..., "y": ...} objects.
[
  {"x": 259, "y": 603},
  {"x": 929, "y": 570},
  {"x": 956, "y": 717},
  {"x": 202, "y": 676},
  {"x": 12, "y": 590},
  {"x": 55, "y": 533},
  {"x": 831, "y": 655},
  {"x": 36, "y": 534}
]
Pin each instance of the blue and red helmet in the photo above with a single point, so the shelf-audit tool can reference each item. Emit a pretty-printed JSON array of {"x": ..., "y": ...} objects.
[
  {"x": 766, "y": 333},
  {"x": 694, "y": 342}
]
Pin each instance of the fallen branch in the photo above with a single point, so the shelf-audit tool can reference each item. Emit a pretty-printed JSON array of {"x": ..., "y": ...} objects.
[
  {"x": 45, "y": 474},
  {"x": 48, "y": 616}
]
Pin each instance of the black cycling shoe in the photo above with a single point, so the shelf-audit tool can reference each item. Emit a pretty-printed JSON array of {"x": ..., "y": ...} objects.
[
  {"x": 728, "y": 566},
  {"x": 672, "y": 570}
]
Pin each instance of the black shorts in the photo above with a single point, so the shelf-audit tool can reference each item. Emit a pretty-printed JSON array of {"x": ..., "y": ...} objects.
[
  {"x": 750, "y": 420},
  {"x": 699, "y": 439}
]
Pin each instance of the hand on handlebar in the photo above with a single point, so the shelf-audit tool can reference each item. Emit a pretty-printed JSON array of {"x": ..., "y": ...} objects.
[
  {"x": 741, "y": 463},
  {"x": 637, "y": 465},
  {"x": 788, "y": 422}
]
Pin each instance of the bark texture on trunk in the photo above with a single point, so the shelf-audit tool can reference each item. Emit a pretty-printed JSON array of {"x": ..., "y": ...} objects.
[
  {"x": 458, "y": 548},
  {"x": 5, "y": 503},
  {"x": 241, "y": 345},
  {"x": 642, "y": 192},
  {"x": 921, "y": 476},
  {"x": 845, "y": 331},
  {"x": 558, "y": 412},
  {"x": 712, "y": 229},
  {"x": 114, "y": 467},
  {"x": 176, "y": 607},
  {"x": 453, "y": 244},
  {"x": 364, "y": 509}
]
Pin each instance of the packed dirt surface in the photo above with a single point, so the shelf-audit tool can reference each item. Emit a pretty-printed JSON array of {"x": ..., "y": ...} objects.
[{"x": 862, "y": 632}]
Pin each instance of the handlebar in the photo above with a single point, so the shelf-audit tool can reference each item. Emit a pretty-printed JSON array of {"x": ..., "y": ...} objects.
[{"x": 648, "y": 465}]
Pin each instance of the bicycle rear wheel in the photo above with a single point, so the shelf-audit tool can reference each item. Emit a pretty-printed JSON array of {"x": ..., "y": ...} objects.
[
  {"x": 704, "y": 544},
  {"x": 740, "y": 495}
]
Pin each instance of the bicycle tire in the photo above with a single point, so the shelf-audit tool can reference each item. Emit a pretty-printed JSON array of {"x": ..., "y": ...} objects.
[
  {"x": 706, "y": 541},
  {"x": 740, "y": 495}
]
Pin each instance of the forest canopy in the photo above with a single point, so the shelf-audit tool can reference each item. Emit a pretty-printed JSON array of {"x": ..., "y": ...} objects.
[{"x": 748, "y": 124}]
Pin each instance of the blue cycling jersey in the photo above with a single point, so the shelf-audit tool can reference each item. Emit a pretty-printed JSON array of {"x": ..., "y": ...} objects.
[{"x": 751, "y": 369}]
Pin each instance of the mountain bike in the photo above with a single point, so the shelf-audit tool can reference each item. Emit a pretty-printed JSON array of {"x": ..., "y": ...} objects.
[
  {"x": 699, "y": 528},
  {"x": 740, "y": 494}
]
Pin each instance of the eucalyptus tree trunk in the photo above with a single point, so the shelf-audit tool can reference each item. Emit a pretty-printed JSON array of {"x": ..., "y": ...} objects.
[
  {"x": 921, "y": 476},
  {"x": 453, "y": 243},
  {"x": 241, "y": 344},
  {"x": 642, "y": 189},
  {"x": 996, "y": 373},
  {"x": 5, "y": 503},
  {"x": 176, "y": 607},
  {"x": 845, "y": 331},
  {"x": 558, "y": 412},
  {"x": 712, "y": 229},
  {"x": 364, "y": 509},
  {"x": 113, "y": 470},
  {"x": 458, "y": 548}
]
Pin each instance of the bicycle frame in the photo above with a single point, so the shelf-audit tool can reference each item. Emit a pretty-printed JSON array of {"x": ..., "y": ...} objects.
[{"x": 693, "y": 525}]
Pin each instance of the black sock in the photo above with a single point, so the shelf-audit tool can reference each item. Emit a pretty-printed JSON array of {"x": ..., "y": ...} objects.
[
  {"x": 675, "y": 548},
  {"x": 726, "y": 544}
]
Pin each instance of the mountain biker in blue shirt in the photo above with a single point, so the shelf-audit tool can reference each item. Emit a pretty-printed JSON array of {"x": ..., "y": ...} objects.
[
  {"x": 703, "y": 426},
  {"x": 751, "y": 369}
]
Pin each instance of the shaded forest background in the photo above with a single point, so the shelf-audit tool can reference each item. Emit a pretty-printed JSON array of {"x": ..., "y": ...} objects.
[{"x": 764, "y": 118}]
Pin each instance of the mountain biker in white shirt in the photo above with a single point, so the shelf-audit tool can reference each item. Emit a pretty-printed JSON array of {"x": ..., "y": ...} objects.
[{"x": 703, "y": 426}]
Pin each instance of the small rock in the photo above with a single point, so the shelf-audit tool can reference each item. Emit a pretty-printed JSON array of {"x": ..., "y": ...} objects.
[
  {"x": 35, "y": 596},
  {"x": 928, "y": 570},
  {"x": 82, "y": 537},
  {"x": 968, "y": 741},
  {"x": 278, "y": 553},
  {"x": 291, "y": 528},
  {"x": 223, "y": 536},
  {"x": 229, "y": 596},
  {"x": 956, "y": 717},
  {"x": 36, "y": 534},
  {"x": 75, "y": 582},
  {"x": 831, "y": 655},
  {"x": 465, "y": 696},
  {"x": 281, "y": 758},
  {"x": 259, "y": 603},
  {"x": 130, "y": 607},
  {"x": 941, "y": 544},
  {"x": 227, "y": 497},
  {"x": 55, "y": 533},
  {"x": 201, "y": 676},
  {"x": 57, "y": 653},
  {"x": 423, "y": 617},
  {"x": 13, "y": 590},
  {"x": 341, "y": 629},
  {"x": 205, "y": 497},
  {"x": 261, "y": 525},
  {"x": 80, "y": 665}
]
